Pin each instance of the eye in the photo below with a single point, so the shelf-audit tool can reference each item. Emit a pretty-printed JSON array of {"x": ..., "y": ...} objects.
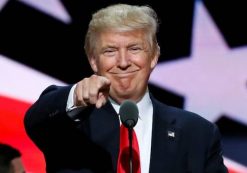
[
  {"x": 109, "y": 52},
  {"x": 135, "y": 49}
]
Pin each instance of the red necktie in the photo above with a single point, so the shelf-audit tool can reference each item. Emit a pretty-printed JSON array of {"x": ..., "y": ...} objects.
[{"x": 123, "y": 158}]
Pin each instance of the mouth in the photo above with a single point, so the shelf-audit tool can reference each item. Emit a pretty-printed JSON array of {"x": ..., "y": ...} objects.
[{"x": 124, "y": 73}]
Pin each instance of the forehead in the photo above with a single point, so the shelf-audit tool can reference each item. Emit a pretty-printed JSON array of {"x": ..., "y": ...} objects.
[{"x": 127, "y": 37}]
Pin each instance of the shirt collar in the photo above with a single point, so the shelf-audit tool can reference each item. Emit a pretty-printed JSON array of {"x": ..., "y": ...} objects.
[{"x": 143, "y": 105}]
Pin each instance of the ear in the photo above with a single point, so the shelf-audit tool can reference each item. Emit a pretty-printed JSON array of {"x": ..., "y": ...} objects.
[
  {"x": 155, "y": 58},
  {"x": 93, "y": 63}
]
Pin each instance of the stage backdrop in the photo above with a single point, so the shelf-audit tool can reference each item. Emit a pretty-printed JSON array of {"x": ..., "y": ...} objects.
[{"x": 202, "y": 68}]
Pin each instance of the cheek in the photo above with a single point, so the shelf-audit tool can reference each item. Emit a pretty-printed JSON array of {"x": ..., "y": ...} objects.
[
  {"x": 105, "y": 64},
  {"x": 143, "y": 62}
]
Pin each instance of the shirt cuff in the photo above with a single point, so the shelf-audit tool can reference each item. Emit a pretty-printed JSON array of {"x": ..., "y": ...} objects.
[{"x": 71, "y": 109}]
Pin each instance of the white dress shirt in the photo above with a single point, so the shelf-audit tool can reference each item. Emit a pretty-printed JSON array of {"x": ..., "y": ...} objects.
[{"x": 143, "y": 128}]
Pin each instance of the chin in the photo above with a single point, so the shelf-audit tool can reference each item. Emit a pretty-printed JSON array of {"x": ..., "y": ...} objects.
[{"x": 122, "y": 94}]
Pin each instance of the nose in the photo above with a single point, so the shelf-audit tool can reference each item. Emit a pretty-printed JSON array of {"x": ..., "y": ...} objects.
[{"x": 123, "y": 61}]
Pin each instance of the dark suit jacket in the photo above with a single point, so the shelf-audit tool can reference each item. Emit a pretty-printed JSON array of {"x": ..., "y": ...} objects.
[{"x": 91, "y": 145}]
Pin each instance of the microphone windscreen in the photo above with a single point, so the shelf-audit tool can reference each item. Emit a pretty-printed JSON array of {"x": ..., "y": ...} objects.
[{"x": 128, "y": 113}]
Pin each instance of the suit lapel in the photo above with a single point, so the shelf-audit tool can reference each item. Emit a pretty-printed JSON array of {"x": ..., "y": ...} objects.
[
  {"x": 106, "y": 131},
  {"x": 165, "y": 140}
]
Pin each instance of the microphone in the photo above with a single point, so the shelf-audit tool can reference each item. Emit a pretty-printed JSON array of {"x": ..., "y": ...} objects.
[
  {"x": 128, "y": 113},
  {"x": 129, "y": 116}
]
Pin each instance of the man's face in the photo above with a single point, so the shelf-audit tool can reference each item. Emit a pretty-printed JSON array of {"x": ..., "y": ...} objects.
[
  {"x": 126, "y": 59},
  {"x": 17, "y": 166}
]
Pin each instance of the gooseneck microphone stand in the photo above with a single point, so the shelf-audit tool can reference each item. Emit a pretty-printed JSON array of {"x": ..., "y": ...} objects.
[
  {"x": 130, "y": 130},
  {"x": 129, "y": 116}
]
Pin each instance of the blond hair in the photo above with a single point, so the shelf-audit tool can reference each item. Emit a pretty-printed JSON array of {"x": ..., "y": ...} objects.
[{"x": 122, "y": 18}]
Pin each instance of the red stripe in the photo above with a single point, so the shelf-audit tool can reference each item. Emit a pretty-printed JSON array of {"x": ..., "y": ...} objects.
[
  {"x": 232, "y": 171},
  {"x": 12, "y": 132}
]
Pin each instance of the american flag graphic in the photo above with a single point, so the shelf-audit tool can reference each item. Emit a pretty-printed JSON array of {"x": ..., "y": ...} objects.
[{"x": 202, "y": 68}]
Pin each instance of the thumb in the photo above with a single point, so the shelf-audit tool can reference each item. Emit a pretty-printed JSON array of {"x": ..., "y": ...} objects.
[{"x": 102, "y": 99}]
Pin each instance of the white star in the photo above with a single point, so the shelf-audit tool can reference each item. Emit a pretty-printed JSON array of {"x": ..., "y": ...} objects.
[
  {"x": 53, "y": 8},
  {"x": 2, "y": 3},
  {"x": 213, "y": 79}
]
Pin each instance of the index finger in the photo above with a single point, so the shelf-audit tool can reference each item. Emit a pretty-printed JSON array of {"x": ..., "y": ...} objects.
[{"x": 104, "y": 82}]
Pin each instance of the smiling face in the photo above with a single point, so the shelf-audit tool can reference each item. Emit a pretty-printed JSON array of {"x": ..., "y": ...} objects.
[{"x": 127, "y": 60}]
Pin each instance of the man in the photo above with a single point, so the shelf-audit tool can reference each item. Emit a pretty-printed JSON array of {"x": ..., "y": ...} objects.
[
  {"x": 10, "y": 160},
  {"x": 77, "y": 127}
]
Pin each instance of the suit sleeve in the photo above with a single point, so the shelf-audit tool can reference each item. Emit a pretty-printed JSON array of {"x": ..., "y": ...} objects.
[
  {"x": 46, "y": 120},
  {"x": 214, "y": 162}
]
